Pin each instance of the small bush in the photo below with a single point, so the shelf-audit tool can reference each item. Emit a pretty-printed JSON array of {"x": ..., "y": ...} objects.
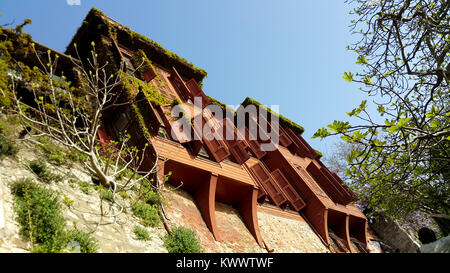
[
  {"x": 7, "y": 147},
  {"x": 53, "y": 152},
  {"x": 183, "y": 240},
  {"x": 88, "y": 244},
  {"x": 141, "y": 233},
  {"x": 76, "y": 157},
  {"x": 40, "y": 169},
  {"x": 4, "y": 127},
  {"x": 85, "y": 187},
  {"x": 152, "y": 198},
  {"x": 148, "y": 214},
  {"x": 106, "y": 194},
  {"x": 39, "y": 215},
  {"x": 124, "y": 195},
  {"x": 67, "y": 201},
  {"x": 126, "y": 174}
]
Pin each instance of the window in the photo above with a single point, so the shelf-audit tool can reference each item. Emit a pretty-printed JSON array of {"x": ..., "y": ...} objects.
[
  {"x": 128, "y": 66},
  {"x": 119, "y": 122}
]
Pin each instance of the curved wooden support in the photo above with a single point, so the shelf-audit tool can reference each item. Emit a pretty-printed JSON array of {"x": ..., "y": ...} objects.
[
  {"x": 205, "y": 198},
  {"x": 247, "y": 209},
  {"x": 318, "y": 219},
  {"x": 342, "y": 230}
]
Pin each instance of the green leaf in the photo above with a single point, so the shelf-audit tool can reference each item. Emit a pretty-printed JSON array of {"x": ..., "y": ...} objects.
[
  {"x": 322, "y": 132},
  {"x": 348, "y": 76},
  {"x": 361, "y": 60}
]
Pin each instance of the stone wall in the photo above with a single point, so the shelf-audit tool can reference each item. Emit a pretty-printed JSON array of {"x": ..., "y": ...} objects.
[
  {"x": 114, "y": 234},
  {"x": 282, "y": 232}
]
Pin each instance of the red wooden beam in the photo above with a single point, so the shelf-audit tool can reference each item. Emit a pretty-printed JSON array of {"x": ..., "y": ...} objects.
[
  {"x": 247, "y": 209},
  {"x": 205, "y": 198}
]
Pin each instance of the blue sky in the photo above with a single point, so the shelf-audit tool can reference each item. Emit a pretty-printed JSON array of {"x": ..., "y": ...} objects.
[{"x": 290, "y": 53}]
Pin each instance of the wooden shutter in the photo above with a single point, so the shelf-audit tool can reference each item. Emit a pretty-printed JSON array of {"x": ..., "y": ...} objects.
[
  {"x": 354, "y": 197},
  {"x": 347, "y": 197},
  {"x": 149, "y": 75},
  {"x": 254, "y": 146},
  {"x": 216, "y": 145},
  {"x": 179, "y": 84},
  {"x": 290, "y": 193},
  {"x": 325, "y": 183},
  {"x": 285, "y": 140},
  {"x": 179, "y": 136},
  {"x": 298, "y": 146},
  {"x": 237, "y": 147},
  {"x": 196, "y": 91},
  {"x": 269, "y": 185}
]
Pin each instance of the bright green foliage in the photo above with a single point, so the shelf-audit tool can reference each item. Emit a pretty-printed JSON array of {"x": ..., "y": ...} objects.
[
  {"x": 400, "y": 161},
  {"x": 348, "y": 76},
  {"x": 7, "y": 147},
  {"x": 67, "y": 201},
  {"x": 141, "y": 233},
  {"x": 106, "y": 194},
  {"x": 40, "y": 169},
  {"x": 39, "y": 215},
  {"x": 147, "y": 213},
  {"x": 183, "y": 240},
  {"x": 88, "y": 244},
  {"x": 85, "y": 187}
]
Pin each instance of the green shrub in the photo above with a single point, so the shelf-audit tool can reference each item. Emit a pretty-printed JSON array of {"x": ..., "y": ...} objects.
[
  {"x": 141, "y": 233},
  {"x": 148, "y": 214},
  {"x": 4, "y": 127},
  {"x": 88, "y": 244},
  {"x": 126, "y": 174},
  {"x": 67, "y": 201},
  {"x": 152, "y": 198},
  {"x": 7, "y": 147},
  {"x": 85, "y": 187},
  {"x": 76, "y": 156},
  {"x": 106, "y": 194},
  {"x": 40, "y": 169},
  {"x": 53, "y": 152},
  {"x": 183, "y": 240},
  {"x": 124, "y": 195},
  {"x": 17, "y": 188},
  {"x": 39, "y": 215}
]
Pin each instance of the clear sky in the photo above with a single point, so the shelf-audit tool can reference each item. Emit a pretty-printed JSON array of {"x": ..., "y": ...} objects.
[{"x": 290, "y": 53}]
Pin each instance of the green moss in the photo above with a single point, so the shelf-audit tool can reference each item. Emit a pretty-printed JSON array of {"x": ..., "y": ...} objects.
[
  {"x": 141, "y": 62},
  {"x": 285, "y": 122},
  {"x": 132, "y": 87}
]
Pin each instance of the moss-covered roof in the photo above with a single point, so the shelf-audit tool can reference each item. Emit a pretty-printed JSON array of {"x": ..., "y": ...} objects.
[
  {"x": 285, "y": 122},
  {"x": 134, "y": 40}
]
